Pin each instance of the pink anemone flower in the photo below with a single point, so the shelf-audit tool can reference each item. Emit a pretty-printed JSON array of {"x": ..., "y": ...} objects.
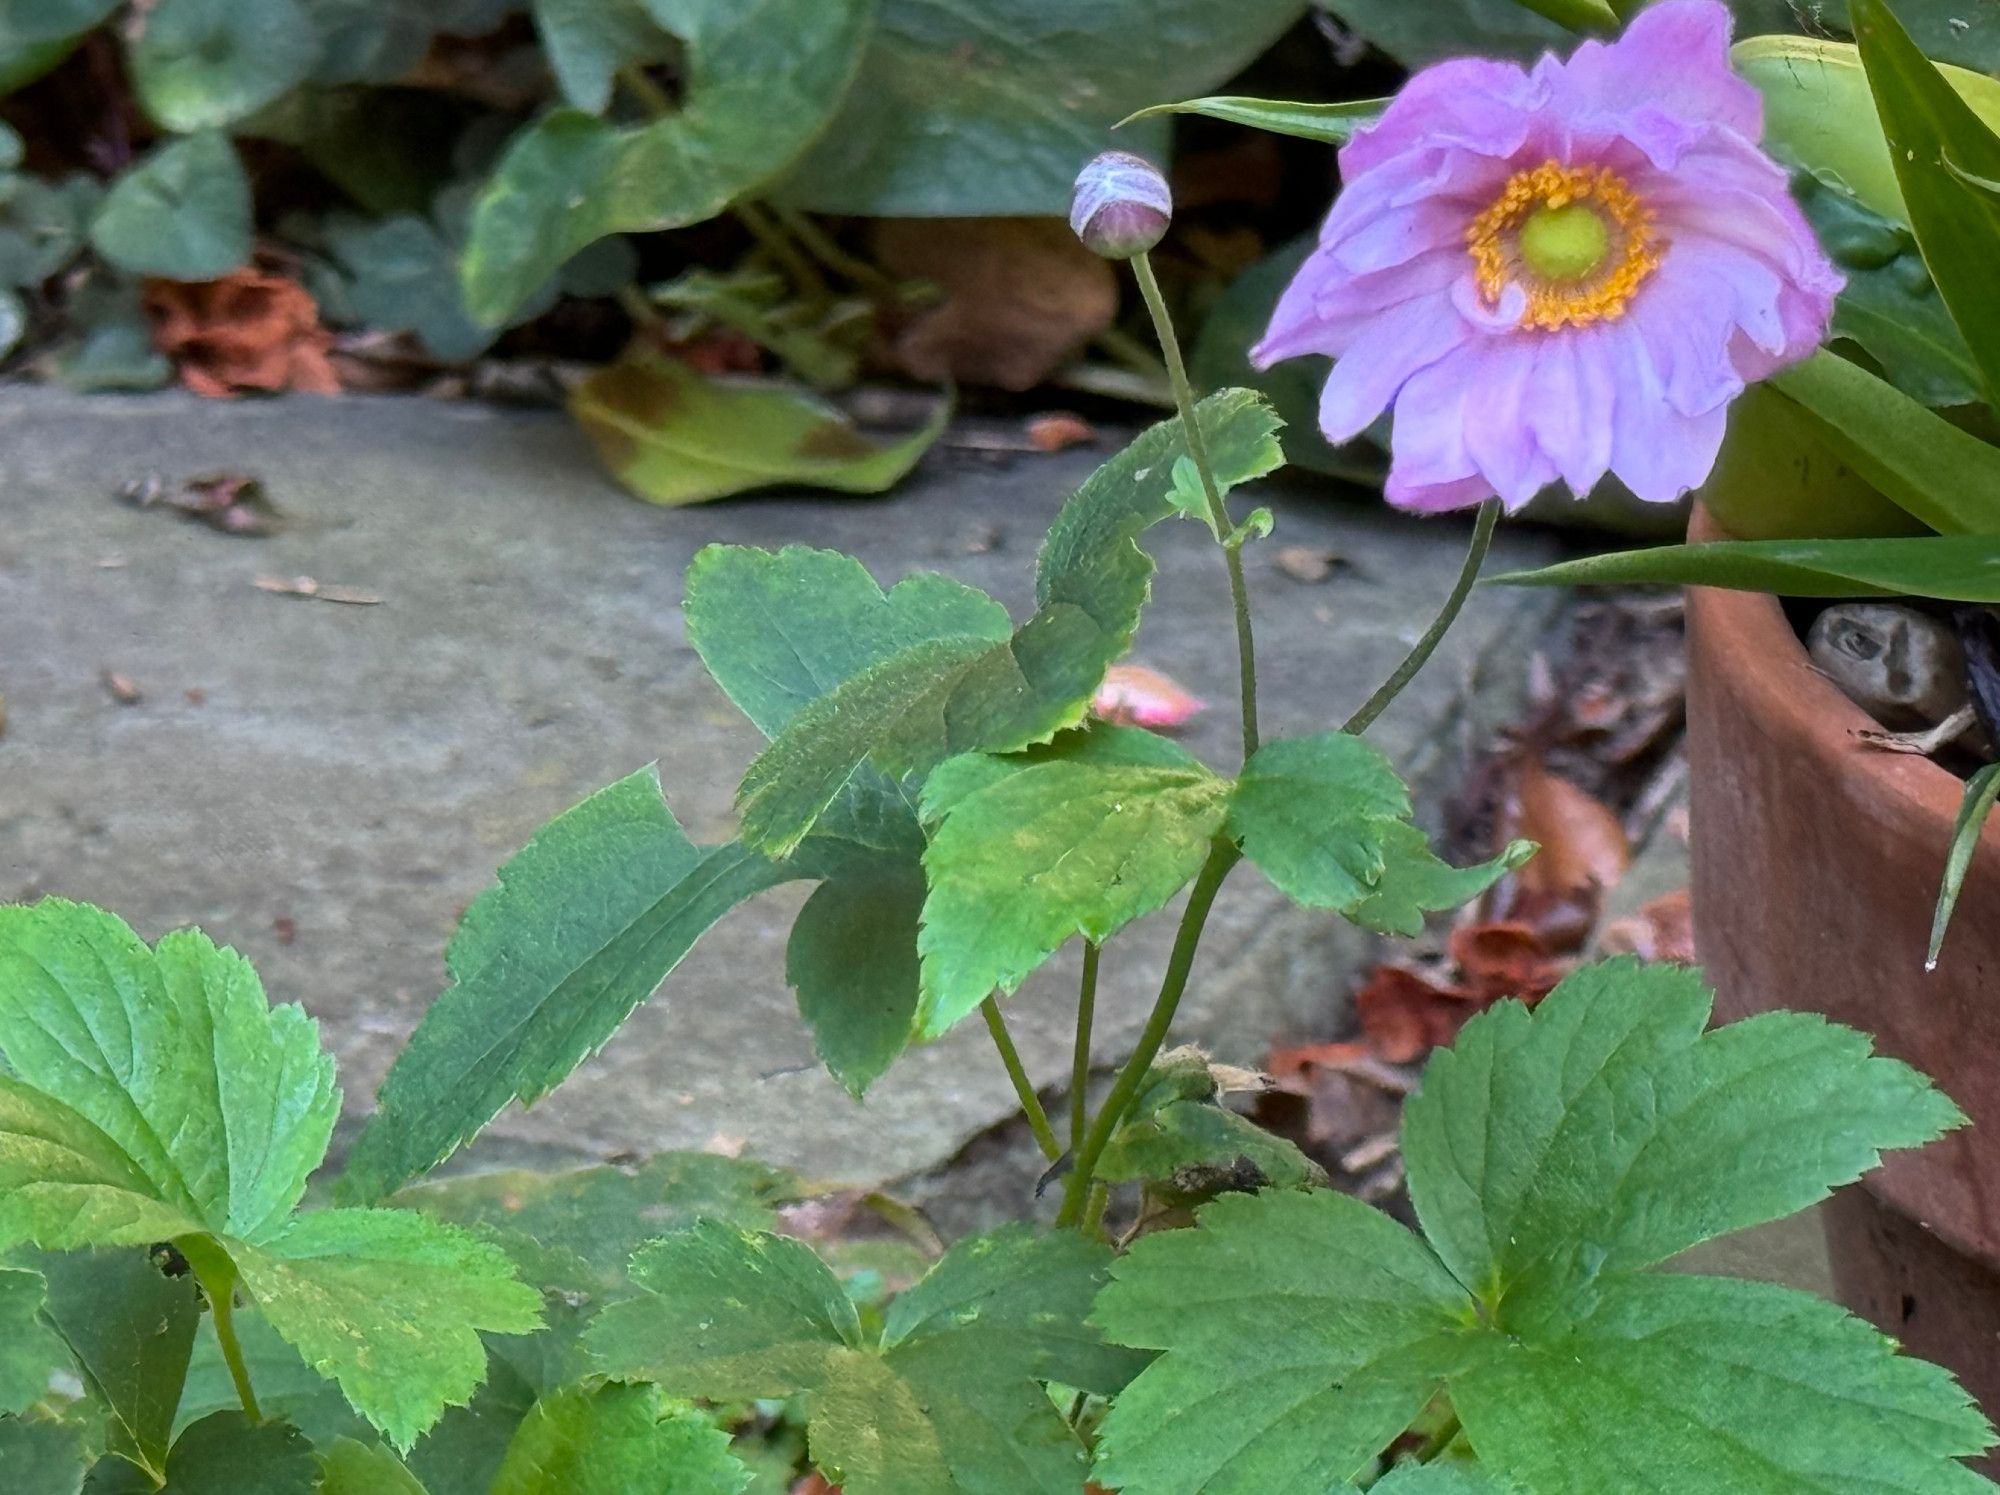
[{"x": 1559, "y": 272}]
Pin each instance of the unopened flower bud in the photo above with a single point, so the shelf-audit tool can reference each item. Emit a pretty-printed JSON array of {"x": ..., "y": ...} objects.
[{"x": 1122, "y": 205}]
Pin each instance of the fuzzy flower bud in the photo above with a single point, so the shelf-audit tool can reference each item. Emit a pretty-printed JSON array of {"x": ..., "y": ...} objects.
[{"x": 1122, "y": 205}]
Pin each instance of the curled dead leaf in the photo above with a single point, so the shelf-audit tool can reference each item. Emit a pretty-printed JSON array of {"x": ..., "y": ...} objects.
[
  {"x": 1584, "y": 852},
  {"x": 1661, "y": 930},
  {"x": 250, "y": 330},
  {"x": 1502, "y": 958}
]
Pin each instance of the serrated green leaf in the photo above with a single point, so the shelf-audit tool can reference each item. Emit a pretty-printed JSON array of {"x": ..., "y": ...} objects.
[
  {"x": 1443, "y": 1479},
  {"x": 1962, "y": 568},
  {"x": 461, "y": 1455},
  {"x": 1330, "y": 124},
  {"x": 1730, "y": 1385},
  {"x": 947, "y": 1403},
  {"x": 351, "y": 1468},
  {"x": 673, "y": 437},
  {"x": 1934, "y": 136},
  {"x": 1302, "y": 1332},
  {"x": 1327, "y": 819},
  {"x": 1889, "y": 307},
  {"x": 224, "y": 1452},
  {"x": 962, "y": 111},
  {"x": 762, "y": 81},
  {"x": 585, "y": 923},
  {"x": 387, "y": 1302},
  {"x": 1078, "y": 839},
  {"x": 852, "y": 959},
  {"x": 189, "y": 1103},
  {"x": 202, "y": 64},
  {"x": 130, "y": 1331},
  {"x": 1606, "y": 1131},
  {"x": 42, "y": 1456},
  {"x": 618, "y": 1440},
  {"x": 1944, "y": 477},
  {"x": 575, "y": 1231},
  {"x": 29, "y": 1352},
  {"x": 979, "y": 693},
  {"x": 182, "y": 213},
  {"x": 588, "y": 41}
]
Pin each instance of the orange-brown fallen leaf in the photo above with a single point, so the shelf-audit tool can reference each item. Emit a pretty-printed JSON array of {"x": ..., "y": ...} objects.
[
  {"x": 1584, "y": 851},
  {"x": 1406, "y": 1014},
  {"x": 1059, "y": 430},
  {"x": 1661, "y": 930},
  {"x": 250, "y": 330},
  {"x": 1502, "y": 958}
]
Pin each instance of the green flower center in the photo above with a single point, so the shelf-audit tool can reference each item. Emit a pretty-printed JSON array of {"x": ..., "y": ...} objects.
[{"x": 1565, "y": 243}]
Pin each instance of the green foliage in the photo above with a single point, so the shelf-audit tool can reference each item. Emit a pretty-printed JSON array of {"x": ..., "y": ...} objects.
[
  {"x": 44, "y": 1456},
  {"x": 1942, "y": 476},
  {"x": 1330, "y": 124},
  {"x": 986, "y": 692},
  {"x": 673, "y": 437},
  {"x": 1982, "y": 790},
  {"x": 183, "y": 212},
  {"x": 1936, "y": 142},
  {"x": 1179, "y": 1134},
  {"x": 618, "y": 1440},
  {"x": 1080, "y": 838},
  {"x": 762, "y": 82},
  {"x": 225, "y": 1451},
  {"x": 584, "y": 923},
  {"x": 961, "y": 111},
  {"x": 154, "y": 1096},
  {"x": 1553, "y": 1157},
  {"x": 1327, "y": 819},
  {"x": 203, "y": 64},
  {"x": 29, "y": 1351},
  {"x": 129, "y": 1330},
  {"x": 1961, "y": 568},
  {"x": 588, "y": 41},
  {"x": 351, "y": 1468},
  {"x": 949, "y": 1399},
  {"x": 1890, "y": 308}
]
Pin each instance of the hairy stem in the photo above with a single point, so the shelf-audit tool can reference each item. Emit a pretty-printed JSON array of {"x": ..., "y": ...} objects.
[
  {"x": 217, "y": 1275},
  {"x": 1031, "y": 1103},
  {"x": 1239, "y": 595},
  {"x": 1125, "y": 1089},
  {"x": 1475, "y": 557},
  {"x": 1079, "y": 1068}
]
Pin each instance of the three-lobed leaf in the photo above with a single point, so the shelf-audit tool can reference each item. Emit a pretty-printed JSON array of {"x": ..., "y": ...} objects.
[
  {"x": 1553, "y": 1156},
  {"x": 949, "y": 1399},
  {"x": 155, "y": 1096}
]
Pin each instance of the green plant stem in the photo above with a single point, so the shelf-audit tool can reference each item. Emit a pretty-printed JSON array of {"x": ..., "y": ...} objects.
[
  {"x": 1031, "y": 1103},
  {"x": 217, "y": 1275},
  {"x": 774, "y": 241},
  {"x": 1125, "y": 1089},
  {"x": 1475, "y": 557},
  {"x": 655, "y": 99},
  {"x": 823, "y": 247},
  {"x": 1079, "y": 1068},
  {"x": 1239, "y": 595}
]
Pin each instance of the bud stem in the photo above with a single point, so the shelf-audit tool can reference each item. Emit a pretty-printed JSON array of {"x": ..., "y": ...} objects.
[{"x": 1246, "y": 648}]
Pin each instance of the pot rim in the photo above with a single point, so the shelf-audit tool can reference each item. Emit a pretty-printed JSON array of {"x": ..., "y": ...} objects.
[{"x": 1788, "y": 689}]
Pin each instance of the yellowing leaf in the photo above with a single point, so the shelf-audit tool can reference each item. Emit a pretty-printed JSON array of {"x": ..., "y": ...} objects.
[{"x": 673, "y": 437}]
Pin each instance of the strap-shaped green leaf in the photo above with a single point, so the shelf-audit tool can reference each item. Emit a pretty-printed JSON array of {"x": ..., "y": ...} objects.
[
  {"x": 1079, "y": 838},
  {"x": 1935, "y": 140},
  {"x": 947, "y": 1402},
  {"x": 1327, "y": 819},
  {"x": 762, "y": 80},
  {"x": 585, "y": 923},
  {"x": 1959, "y": 568},
  {"x": 966, "y": 693},
  {"x": 1330, "y": 124}
]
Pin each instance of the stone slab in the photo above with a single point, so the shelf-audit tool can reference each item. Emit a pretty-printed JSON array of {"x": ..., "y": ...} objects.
[{"x": 326, "y": 787}]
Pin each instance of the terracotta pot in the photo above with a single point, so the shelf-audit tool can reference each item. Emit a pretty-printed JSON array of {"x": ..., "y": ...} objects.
[{"x": 1816, "y": 869}]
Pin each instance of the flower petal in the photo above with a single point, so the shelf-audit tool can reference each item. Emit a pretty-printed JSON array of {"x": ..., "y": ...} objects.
[
  {"x": 1469, "y": 101},
  {"x": 1675, "y": 57},
  {"x": 1397, "y": 344},
  {"x": 1656, "y": 451}
]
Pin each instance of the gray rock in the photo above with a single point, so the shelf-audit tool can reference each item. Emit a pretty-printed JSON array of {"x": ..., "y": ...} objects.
[{"x": 326, "y": 787}]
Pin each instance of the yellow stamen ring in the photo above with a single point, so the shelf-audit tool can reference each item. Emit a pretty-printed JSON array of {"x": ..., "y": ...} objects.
[{"x": 1574, "y": 273}]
